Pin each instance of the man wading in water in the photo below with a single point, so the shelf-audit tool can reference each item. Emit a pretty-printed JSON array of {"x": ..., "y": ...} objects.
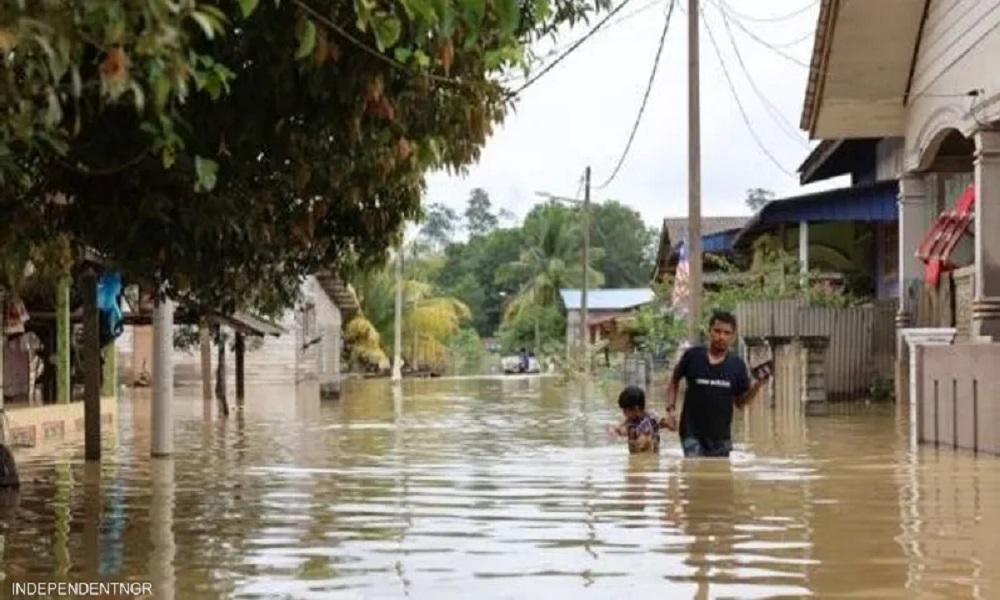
[{"x": 716, "y": 381}]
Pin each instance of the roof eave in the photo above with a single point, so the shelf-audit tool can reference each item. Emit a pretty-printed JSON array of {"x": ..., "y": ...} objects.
[{"x": 817, "y": 65}]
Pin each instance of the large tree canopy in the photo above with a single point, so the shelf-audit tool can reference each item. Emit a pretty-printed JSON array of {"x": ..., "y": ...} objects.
[{"x": 302, "y": 143}]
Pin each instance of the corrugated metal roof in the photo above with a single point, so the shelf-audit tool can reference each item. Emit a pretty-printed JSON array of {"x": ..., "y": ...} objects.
[
  {"x": 675, "y": 227},
  {"x": 875, "y": 202},
  {"x": 618, "y": 299}
]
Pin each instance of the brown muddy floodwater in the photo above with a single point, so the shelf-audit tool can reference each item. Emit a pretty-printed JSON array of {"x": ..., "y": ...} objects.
[{"x": 495, "y": 489}]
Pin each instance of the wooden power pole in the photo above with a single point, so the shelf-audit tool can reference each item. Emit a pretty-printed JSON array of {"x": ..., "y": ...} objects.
[{"x": 694, "y": 176}]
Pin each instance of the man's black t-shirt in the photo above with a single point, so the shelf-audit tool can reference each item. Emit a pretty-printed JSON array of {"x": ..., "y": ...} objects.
[{"x": 711, "y": 389}]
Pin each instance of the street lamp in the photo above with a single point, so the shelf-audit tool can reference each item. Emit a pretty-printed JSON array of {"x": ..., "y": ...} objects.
[{"x": 584, "y": 332}]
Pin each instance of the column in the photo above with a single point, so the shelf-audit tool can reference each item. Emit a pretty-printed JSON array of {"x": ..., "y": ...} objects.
[
  {"x": 162, "y": 443},
  {"x": 804, "y": 252},
  {"x": 986, "y": 297},
  {"x": 91, "y": 368},
  {"x": 63, "y": 329},
  {"x": 914, "y": 221}
]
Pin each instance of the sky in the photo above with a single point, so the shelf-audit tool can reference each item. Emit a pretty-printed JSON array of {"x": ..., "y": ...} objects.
[{"x": 581, "y": 112}]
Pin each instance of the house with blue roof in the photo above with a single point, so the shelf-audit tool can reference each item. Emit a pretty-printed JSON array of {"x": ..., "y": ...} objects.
[
  {"x": 606, "y": 309},
  {"x": 717, "y": 237},
  {"x": 851, "y": 231}
]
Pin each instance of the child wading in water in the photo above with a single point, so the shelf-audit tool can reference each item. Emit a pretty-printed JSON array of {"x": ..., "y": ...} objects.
[{"x": 639, "y": 426}]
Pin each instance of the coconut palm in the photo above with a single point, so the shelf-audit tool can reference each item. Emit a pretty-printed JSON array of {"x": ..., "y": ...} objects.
[{"x": 550, "y": 261}]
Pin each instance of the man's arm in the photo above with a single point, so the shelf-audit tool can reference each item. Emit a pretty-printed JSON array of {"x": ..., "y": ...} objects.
[
  {"x": 741, "y": 400},
  {"x": 748, "y": 396},
  {"x": 675, "y": 380}
]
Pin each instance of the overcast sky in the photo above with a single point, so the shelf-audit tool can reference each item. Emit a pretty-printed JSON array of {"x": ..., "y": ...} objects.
[{"x": 582, "y": 111}]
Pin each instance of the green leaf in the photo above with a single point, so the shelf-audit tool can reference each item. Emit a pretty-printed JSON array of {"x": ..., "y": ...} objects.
[
  {"x": 421, "y": 58},
  {"x": 402, "y": 54},
  {"x": 307, "y": 38},
  {"x": 473, "y": 13},
  {"x": 205, "y": 22},
  {"x": 248, "y": 6},
  {"x": 206, "y": 171},
  {"x": 420, "y": 8},
  {"x": 509, "y": 12},
  {"x": 387, "y": 29}
]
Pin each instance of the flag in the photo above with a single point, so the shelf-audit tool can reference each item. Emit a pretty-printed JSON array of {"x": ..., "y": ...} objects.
[{"x": 682, "y": 291}]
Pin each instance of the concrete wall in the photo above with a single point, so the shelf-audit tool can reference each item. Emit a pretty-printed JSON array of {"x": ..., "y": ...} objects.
[
  {"x": 957, "y": 54},
  {"x": 889, "y": 159},
  {"x": 958, "y": 396},
  {"x": 37, "y": 428}
]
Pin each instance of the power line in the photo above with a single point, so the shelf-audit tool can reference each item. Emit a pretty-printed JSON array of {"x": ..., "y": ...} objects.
[
  {"x": 645, "y": 97},
  {"x": 775, "y": 113},
  {"x": 777, "y": 49},
  {"x": 630, "y": 15},
  {"x": 786, "y": 17},
  {"x": 571, "y": 49},
  {"x": 739, "y": 104}
]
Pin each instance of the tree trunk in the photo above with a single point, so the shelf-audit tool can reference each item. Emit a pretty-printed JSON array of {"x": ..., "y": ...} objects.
[{"x": 220, "y": 377}]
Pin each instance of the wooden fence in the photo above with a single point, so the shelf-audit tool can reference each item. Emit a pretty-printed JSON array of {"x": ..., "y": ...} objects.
[{"x": 861, "y": 338}]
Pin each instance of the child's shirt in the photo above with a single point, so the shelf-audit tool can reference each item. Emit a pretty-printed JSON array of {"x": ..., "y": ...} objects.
[{"x": 643, "y": 433}]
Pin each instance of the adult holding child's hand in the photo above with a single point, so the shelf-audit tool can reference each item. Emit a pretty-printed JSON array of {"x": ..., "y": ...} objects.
[{"x": 717, "y": 381}]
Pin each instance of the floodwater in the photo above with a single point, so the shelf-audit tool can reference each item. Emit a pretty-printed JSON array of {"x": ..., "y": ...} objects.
[{"x": 505, "y": 488}]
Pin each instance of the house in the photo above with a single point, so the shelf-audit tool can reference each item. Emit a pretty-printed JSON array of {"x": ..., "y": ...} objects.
[
  {"x": 920, "y": 75},
  {"x": 306, "y": 345},
  {"x": 847, "y": 233},
  {"x": 717, "y": 236},
  {"x": 605, "y": 310}
]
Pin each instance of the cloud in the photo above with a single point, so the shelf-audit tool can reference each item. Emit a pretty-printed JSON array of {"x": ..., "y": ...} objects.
[{"x": 582, "y": 111}]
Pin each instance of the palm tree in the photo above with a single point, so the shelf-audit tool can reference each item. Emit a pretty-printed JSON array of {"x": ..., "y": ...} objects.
[
  {"x": 429, "y": 320},
  {"x": 550, "y": 261}
]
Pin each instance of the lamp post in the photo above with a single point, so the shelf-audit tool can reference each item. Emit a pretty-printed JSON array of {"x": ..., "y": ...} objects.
[{"x": 584, "y": 332}]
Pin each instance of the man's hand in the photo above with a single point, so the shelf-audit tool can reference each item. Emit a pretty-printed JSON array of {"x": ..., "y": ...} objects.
[{"x": 669, "y": 422}]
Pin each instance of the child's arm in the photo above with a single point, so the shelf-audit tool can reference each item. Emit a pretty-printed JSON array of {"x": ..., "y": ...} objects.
[{"x": 618, "y": 429}]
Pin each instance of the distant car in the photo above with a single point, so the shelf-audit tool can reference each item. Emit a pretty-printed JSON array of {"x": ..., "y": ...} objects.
[{"x": 512, "y": 365}]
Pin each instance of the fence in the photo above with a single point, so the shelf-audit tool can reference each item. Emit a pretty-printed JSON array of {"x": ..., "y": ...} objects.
[
  {"x": 958, "y": 396},
  {"x": 861, "y": 338}
]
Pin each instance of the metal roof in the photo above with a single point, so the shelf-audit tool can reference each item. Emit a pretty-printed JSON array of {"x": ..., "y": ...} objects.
[
  {"x": 872, "y": 202},
  {"x": 617, "y": 299}
]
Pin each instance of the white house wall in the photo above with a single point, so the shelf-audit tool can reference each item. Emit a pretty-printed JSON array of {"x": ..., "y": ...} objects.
[
  {"x": 278, "y": 360},
  {"x": 889, "y": 156},
  {"x": 957, "y": 54}
]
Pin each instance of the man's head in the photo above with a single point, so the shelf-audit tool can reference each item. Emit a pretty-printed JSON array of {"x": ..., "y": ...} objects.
[
  {"x": 632, "y": 401},
  {"x": 721, "y": 331}
]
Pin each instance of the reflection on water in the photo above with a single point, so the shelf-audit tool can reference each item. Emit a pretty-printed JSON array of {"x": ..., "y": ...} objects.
[{"x": 494, "y": 488}]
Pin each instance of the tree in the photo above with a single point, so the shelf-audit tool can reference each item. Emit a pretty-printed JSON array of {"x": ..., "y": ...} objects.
[
  {"x": 69, "y": 59},
  {"x": 479, "y": 217},
  {"x": 439, "y": 224},
  {"x": 305, "y": 149},
  {"x": 757, "y": 198},
  {"x": 628, "y": 245},
  {"x": 551, "y": 260}
]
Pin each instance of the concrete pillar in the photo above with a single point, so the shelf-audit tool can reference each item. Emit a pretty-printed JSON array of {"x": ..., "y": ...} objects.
[
  {"x": 163, "y": 549},
  {"x": 162, "y": 412},
  {"x": 986, "y": 298},
  {"x": 205, "y": 349},
  {"x": 804, "y": 251},
  {"x": 91, "y": 350},
  {"x": 109, "y": 377},
  {"x": 64, "y": 390},
  {"x": 814, "y": 397},
  {"x": 914, "y": 221}
]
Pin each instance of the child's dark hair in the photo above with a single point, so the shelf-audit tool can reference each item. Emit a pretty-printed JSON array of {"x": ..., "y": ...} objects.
[{"x": 632, "y": 397}]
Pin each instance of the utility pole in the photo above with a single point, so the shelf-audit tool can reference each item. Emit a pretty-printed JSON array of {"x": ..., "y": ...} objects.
[
  {"x": 584, "y": 328},
  {"x": 694, "y": 176},
  {"x": 397, "y": 346}
]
